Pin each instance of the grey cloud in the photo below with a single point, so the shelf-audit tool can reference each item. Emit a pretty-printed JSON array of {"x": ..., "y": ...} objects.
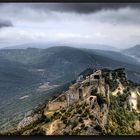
[
  {"x": 41, "y": 11},
  {"x": 114, "y": 13},
  {"x": 125, "y": 16},
  {"x": 83, "y": 8},
  {"x": 5, "y": 24}
]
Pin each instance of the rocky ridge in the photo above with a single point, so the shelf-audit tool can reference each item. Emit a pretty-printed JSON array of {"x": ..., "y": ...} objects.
[{"x": 100, "y": 102}]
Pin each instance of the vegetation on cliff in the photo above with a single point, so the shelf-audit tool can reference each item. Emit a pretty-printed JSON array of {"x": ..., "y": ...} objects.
[{"x": 121, "y": 120}]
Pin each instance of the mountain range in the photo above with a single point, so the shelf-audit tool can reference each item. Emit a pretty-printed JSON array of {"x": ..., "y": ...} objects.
[
  {"x": 133, "y": 52},
  {"x": 23, "y": 71}
]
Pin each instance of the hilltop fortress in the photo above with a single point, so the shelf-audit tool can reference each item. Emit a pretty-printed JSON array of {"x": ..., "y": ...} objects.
[
  {"x": 90, "y": 93},
  {"x": 100, "y": 83}
]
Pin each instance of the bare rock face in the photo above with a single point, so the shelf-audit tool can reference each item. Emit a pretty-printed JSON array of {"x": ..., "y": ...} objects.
[
  {"x": 137, "y": 125},
  {"x": 54, "y": 127},
  {"x": 134, "y": 100},
  {"x": 27, "y": 121}
]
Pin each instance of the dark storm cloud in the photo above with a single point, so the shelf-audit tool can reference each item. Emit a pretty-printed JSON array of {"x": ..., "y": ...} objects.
[
  {"x": 39, "y": 11},
  {"x": 83, "y": 8},
  {"x": 119, "y": 13},
  {"x": 5, "y": 24},
  {"x": 114, "y": 13}
]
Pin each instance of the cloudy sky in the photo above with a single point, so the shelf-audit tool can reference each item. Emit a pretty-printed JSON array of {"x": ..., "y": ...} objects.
[{"x": 116, "y": 25}]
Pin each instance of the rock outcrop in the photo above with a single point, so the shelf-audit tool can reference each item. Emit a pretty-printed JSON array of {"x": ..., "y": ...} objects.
[
  {"x": 28, "y": 121},
  {"x": 90, "y": 107}
]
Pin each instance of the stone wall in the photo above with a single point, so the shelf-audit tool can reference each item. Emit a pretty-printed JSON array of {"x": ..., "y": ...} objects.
[{"x": 82, "y": 89}]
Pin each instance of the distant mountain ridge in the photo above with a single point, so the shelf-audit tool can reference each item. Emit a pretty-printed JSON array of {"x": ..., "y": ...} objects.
[
  {"x": 44, "y": 45},
  {"x": 133, "y": 51},
  {"x": 67, "y": 61}
]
